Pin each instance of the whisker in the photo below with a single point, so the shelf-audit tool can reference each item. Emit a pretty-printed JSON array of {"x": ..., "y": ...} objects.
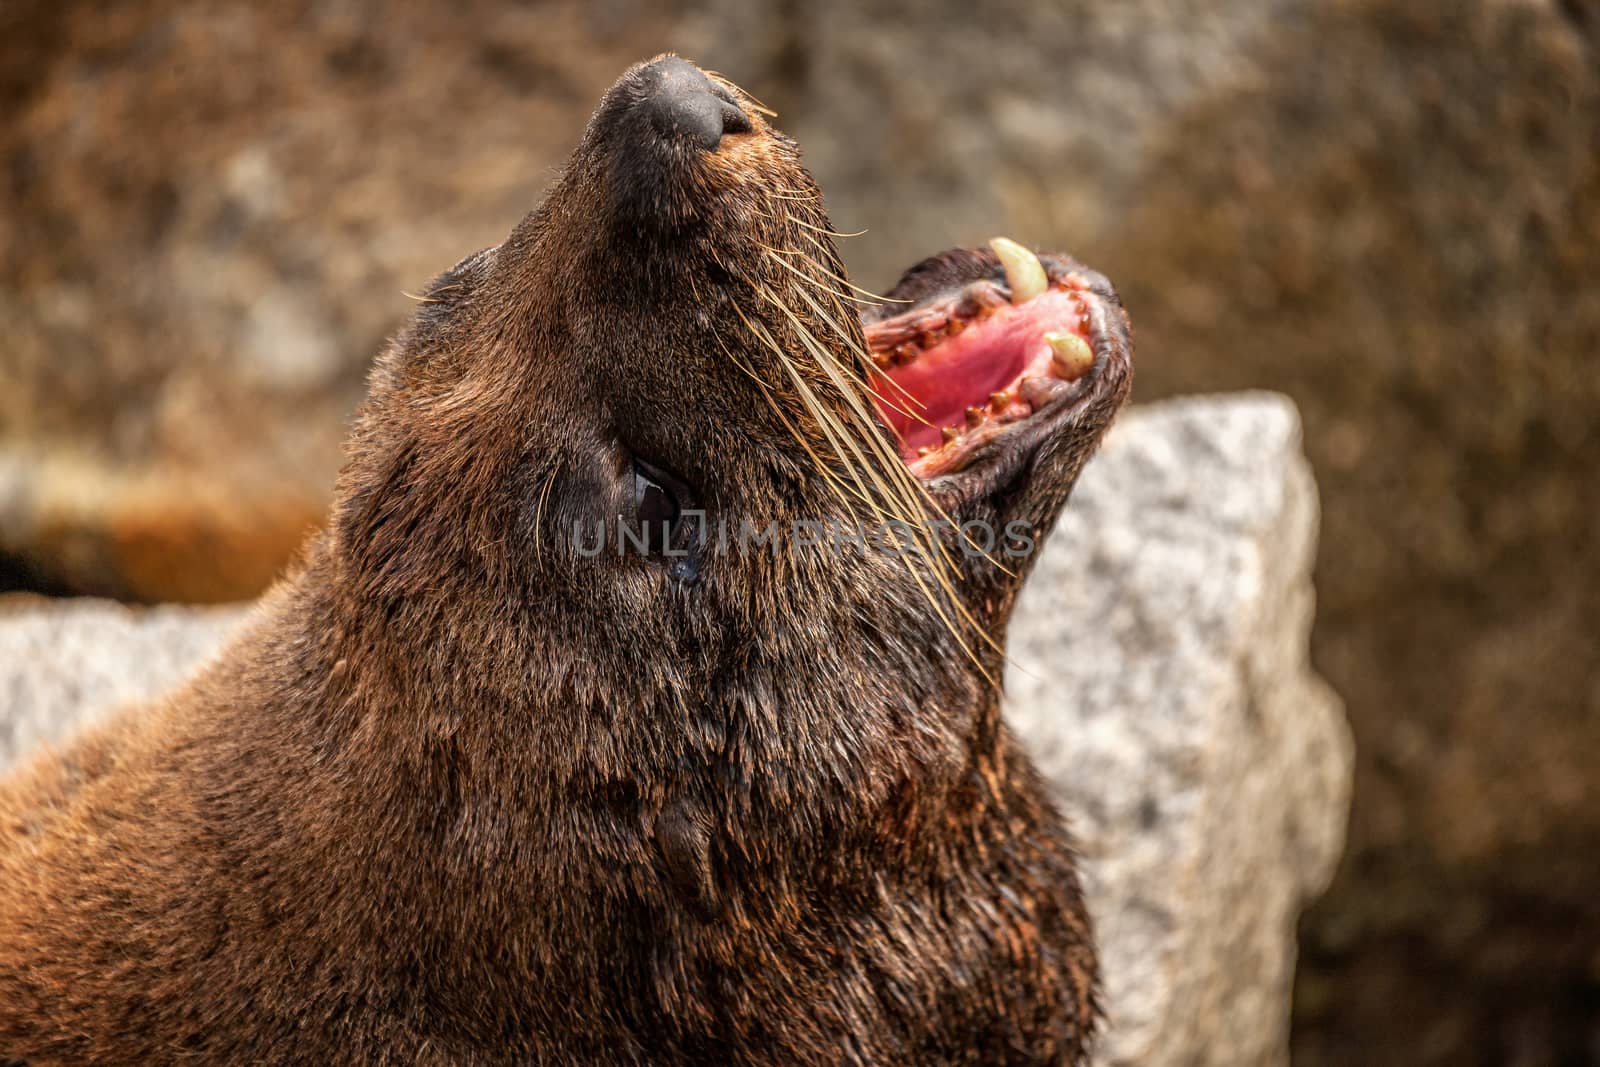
[
  {"x": 912, "y": 501},
  {"x": 883, "y": 504},
  {"x": 863, "y": 355},
  {"x": 823, "y": 229},
  {"x": 538, "y": 518},
  {"x": 814, "y": 281},
  {"x": 866, "y": 466},
  {"x": 840, "y": 488},
  {"x": 754, "y": 102},
  {"x": 922, "y": 491},
  {"x": 845, "y": 281}
]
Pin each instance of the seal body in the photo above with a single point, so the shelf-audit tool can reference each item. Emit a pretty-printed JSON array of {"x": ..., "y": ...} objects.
[{"x": 467, "y": 790}]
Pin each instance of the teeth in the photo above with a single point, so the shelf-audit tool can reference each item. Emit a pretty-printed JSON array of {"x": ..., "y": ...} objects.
[
  {"x": 1000, "y": 401},
  {"x": 1036, "y": 391},
  {"x": 1070, "y": 354},
  {"x": 1024, "y": 273},
  {"x": 948, "y": 433}
]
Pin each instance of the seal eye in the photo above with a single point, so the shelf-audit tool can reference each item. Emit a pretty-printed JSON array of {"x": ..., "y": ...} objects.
[
  {"x": 655, "y": 505},
  {"x": 662, "y": 526}
]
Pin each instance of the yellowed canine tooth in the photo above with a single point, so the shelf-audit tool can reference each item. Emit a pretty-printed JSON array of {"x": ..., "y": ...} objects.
[
  {"x": 1024, "y": 273},
  {"x": 1070, "y": 353}
]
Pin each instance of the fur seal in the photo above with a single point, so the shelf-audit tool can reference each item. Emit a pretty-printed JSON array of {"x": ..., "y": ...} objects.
[{"x": 468, "y": 789}]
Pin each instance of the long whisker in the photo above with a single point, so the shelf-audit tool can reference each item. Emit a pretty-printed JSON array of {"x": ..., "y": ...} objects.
[
  {"x": 538, "y": 518},
  {"x": 864, "y": 355},
  {"x": 869, "y": 301},
  {"x": 755, "y": 103},
  {"x": 842, "y": 280},
  {"x": 840, "y": 488},
  {"x": 882, "y": 503},
  {"x": 855, "y": 404},
  {"x": 844, "y": 336},
  {"x": 899, "y": 496},
  {"x": 823, "y": 229},
  {"x": 911, "y": 501}
]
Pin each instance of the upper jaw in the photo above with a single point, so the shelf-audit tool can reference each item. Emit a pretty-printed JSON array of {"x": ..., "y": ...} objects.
[{"x": 1033, "y": 440}]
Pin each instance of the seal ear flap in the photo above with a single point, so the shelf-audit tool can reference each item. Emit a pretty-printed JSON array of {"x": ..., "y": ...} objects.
[{"x": 683, "y": 844}]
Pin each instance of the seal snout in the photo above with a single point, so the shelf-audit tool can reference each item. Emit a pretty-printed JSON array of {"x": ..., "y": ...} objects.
[{"x": 683, "y": 103}]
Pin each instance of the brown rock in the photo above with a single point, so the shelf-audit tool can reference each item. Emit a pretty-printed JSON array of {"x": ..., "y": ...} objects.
[{"x": 214, "y": 214}]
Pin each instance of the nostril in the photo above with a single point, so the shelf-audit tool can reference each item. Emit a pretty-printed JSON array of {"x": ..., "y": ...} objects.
[
  {"x": 685, "y": 103},
  {"x": 734, "y": 120}
]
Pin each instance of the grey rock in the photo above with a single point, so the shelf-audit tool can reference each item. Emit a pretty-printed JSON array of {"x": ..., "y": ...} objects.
[
  {"x": 1159, "y": 677},
  {"x": 63, "y": 662}
]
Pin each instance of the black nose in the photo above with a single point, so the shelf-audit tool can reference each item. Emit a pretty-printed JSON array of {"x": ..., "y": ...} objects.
[{"x": 683, "y": 102}]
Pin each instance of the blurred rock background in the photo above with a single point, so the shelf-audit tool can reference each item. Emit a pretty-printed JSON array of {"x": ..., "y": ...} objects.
[{"x": 210, "y": 214}]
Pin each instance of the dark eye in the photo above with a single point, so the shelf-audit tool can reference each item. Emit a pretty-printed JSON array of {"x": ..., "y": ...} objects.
[
  {"x": 654, "y": 505},
  {"x": 664, "y": 525}
]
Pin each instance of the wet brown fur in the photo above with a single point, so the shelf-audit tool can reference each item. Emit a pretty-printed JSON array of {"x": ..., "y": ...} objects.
[{"x": 458, "y": 795}]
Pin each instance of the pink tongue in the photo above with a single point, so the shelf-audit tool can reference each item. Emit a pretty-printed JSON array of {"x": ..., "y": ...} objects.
[{"x": 958, "y": 374}]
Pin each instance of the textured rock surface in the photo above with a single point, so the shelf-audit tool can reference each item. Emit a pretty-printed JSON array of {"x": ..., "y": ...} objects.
[
  {"x": 212, "y": 215},
  {"x": 1160, "y": 677},
  {"x": 62, "y": 661}
]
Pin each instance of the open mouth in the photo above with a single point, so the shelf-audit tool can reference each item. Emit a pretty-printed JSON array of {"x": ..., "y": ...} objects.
[{"x": 997, "y": 358}]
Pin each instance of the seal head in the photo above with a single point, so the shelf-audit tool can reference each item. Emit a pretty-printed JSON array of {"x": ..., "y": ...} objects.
[{"x": 570, "y": 740}]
